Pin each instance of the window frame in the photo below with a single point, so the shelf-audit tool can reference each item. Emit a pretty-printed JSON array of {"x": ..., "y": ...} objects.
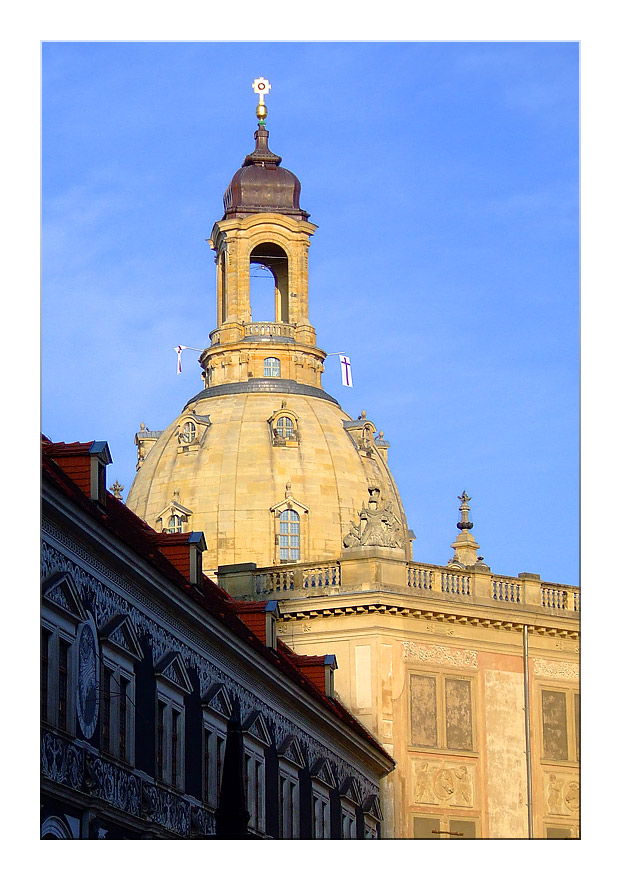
[
  {"x": 59, "y": 630},
  {"x": 441, "y": 676},
  {"x": 169, "y": 699},
  {"x": 213, "y": 756},
  {"x": 254, "y": 782},
  {"x": 268, "y": 368},
  {"x": 320, "y": 796},
  {"x": 291, "y": 518},
  {"x": 288, "y": 800},
  {"x": 444, "y": 821},
  {"x": 572, "y": 723}
]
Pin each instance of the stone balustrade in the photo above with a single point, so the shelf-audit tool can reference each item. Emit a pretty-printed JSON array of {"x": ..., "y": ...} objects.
[
  {"x": 269, "y": 328},
  {"x": 298, "y": 577},
  {"x": 431, "y": 581}
]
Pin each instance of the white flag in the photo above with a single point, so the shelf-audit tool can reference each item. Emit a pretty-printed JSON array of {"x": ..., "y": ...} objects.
[
  {"x": 179, "y": 349},
  {"x": 346, "y": 371}
]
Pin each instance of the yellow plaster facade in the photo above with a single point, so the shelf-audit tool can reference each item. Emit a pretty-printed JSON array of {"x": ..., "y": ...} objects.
[{"x": 469, "y": 679}]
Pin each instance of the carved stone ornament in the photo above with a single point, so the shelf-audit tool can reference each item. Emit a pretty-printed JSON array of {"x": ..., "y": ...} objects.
[
  {"x": 438, "y": 782},
  {"x": 87, "y": 690},
  {"x": 562, "y": 794},
  {"x": 109, "y": 595},
  {"x": 556, "y": 669},
  {"x": 439, "y": 654},
  {"x": 379, "y": 526}
]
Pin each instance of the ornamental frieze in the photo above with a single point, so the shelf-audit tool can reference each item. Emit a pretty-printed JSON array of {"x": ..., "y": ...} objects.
[
  {"x": 61, "y": 761},
  {"x": 440, "y": 655},
  {"x": 105, "y": 602},
  {"x": 556, "y": 669}
]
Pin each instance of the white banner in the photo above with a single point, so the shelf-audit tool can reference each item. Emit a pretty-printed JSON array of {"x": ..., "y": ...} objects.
[
  {"x": 346, "y": 378},
  {"x": 179, "y": 349}
]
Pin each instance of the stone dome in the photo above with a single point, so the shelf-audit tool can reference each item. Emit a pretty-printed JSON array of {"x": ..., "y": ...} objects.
[
  {"x": 221, "y": 462},
  {"x": 263, "y": 185}
]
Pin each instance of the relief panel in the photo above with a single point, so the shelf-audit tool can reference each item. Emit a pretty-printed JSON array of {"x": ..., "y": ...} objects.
[
  {"x": 443, "y": 783},
  {"x": 562, "y": 794}
]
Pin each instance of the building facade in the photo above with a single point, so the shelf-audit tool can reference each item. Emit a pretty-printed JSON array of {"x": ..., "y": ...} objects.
[
  {"x": 468, "y": 678},
  {"x": 168, "y": 709}
]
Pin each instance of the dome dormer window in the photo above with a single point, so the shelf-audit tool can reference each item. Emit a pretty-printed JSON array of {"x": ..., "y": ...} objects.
[
  {"x": 284, "y": 428},
  {"x": 271, "y": 367},
  {"x": 175, "y": 524}
]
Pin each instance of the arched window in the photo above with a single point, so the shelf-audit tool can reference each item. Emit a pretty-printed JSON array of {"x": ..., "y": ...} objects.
[
  {"x": 289, "y": 535},
  {"x": 175, "y": 524},
  {"x": 271, "y": 367},
  {"x": 188, "y": 433},
  {"x": 269, "y": 283},
  {"x": 285, "y": 427}
]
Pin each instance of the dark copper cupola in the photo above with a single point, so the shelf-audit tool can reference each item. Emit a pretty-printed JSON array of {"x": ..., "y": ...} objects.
[{"x": 262, "y": 185}]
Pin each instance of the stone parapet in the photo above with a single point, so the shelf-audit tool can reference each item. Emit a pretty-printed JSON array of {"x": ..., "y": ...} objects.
[{"x": 376, "y": 569}]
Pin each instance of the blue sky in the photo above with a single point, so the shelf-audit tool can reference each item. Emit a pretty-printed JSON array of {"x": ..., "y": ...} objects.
[{"x": 444, "y": 181}]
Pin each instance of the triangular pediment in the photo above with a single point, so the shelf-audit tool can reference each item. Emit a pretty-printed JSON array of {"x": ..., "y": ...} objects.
[
  {"x": 121, "y": 633},
  {"x": 218, "y": 700},
  {"x": 172, "y": 668},
  {"x": 255, "y": 726},
  {"x": 371, "y": 807},
  {"x": 60, "y": 590},
  {"x": 291, "y": 751},
  {"x": 289, "y": 504},
  {"x": 350, "y": 790},
  {"x": 322, "y": 771}
]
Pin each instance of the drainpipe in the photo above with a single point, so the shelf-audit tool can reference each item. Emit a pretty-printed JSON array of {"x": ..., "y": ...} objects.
[{"x": 529, "y": 772}]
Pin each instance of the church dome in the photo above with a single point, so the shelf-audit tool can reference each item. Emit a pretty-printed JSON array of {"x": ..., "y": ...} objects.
[
  {"x": 263, "y": 185},
  {"x": 263, "y": 460},
  {"x": 233, "y": 463}
]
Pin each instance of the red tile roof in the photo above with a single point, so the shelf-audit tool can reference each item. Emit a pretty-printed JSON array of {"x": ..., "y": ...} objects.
[{"x": 143, "y": 540}]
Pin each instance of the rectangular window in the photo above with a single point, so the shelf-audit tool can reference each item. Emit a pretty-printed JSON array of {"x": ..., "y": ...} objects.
[
  {"x": 45, "y": 671},
  {"x": 255, "y": 790},
  {"x": 458, "y": 714},
  {"x": 560, "y": 713},
  {"x": 441, "y": 712},
  {"x": 63, "y": 683},
  {"x": 443, "y": 828},
  {"x": 321, "y": 816},
  {"x": 106, "y": 709},
  {"x": 159, "y": 769},
  {"x": 577, "y": 723},
  {"x": 348, "y": 825},
  {"x": 558, "y": 833},
  {"x": 174, "y": 751},
  {"x": 462, "y": 830},
  {"x": 208, "y": 736},
  {"x": 289, "y": 811},
  {"x": 554, "y": 713},
  {"x": 423, "y": 702},
  {"x": 123, "y": 715},
  {"x": 427, "y": 828}
]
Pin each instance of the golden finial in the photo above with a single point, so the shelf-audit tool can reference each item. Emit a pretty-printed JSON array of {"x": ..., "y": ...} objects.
[{"x": 261, "y": 87}]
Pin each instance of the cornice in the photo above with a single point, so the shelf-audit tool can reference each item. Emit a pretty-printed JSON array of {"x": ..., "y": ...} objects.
[{"x": 481, "y": 618}]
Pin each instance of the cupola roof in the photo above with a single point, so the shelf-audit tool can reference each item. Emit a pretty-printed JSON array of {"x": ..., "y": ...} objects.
[{"x": 262, "y": 185}]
